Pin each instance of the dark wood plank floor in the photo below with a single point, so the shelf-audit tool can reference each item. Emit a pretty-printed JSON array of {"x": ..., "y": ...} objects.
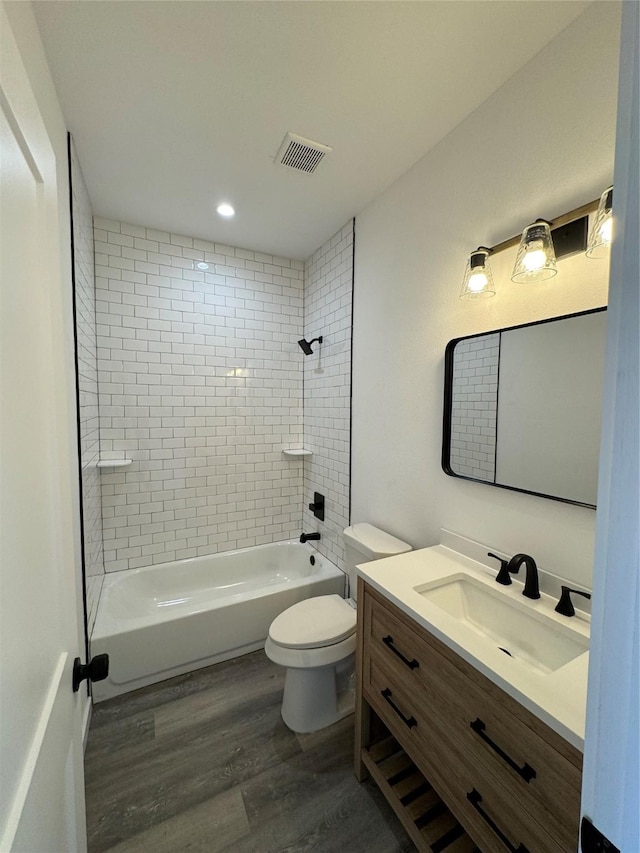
[{"x": 204, "y": 763}]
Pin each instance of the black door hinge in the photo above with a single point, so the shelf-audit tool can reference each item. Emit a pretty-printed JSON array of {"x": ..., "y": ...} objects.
[{"x": 593, "y": 841}]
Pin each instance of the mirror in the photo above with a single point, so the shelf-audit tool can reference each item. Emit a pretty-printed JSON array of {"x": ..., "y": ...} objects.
[{"x": 523, "y": 407}]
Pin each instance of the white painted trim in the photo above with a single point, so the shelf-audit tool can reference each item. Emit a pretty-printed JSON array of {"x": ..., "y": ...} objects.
[
  {"x": 611, "y": 774},
  {"x": 22, "y": 790},
  {"x": 86, "y": 722}
]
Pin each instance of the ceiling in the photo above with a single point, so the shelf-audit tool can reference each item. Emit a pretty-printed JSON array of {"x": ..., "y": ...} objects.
[{"x": 176, "y": 106}]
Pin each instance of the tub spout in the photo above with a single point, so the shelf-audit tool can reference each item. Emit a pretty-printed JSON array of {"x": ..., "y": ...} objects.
[{"x": 305, "y": 537}]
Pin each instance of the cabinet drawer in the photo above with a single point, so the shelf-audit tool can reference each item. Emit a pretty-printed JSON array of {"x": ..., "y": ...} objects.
[
  {"x": 492, "y": 815},
  {"x": 489, "y": 728}
]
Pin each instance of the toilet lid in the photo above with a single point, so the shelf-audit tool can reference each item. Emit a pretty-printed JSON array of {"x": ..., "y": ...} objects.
[{"x": 315, "y": 622}]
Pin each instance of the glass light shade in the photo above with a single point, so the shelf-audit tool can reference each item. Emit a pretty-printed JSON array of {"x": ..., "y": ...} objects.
[
  {"x": 602, "y": 231},
  {"x": 478, "y": 281},
  {"x": 536, "y": 258}
]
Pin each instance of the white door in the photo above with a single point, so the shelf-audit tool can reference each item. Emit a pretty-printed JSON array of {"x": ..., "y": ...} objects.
[
  {"x": 611, "y": 778},
  {"x": 41, "y": 793}
]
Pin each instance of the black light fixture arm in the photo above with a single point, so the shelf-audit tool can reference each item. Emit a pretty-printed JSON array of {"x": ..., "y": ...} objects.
[{"x": 566, "y": 218}]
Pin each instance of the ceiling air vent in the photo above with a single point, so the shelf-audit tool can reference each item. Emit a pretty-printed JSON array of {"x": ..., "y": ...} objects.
[{"x": 301, "y": 154}]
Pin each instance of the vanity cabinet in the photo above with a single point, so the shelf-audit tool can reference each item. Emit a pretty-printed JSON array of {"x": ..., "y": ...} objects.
[{"x": 510, "y": 781}]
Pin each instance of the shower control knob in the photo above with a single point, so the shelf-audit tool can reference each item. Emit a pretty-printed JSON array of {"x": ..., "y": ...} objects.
[{"x": 96, "y": 670}]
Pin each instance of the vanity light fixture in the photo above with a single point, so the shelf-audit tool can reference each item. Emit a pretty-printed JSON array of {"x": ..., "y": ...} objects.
[
  {"x": 478, "y": 280},
  {"x": 541, "y": 245},
  {"x": 536, "y": 258},
  {"x": 602, "y": 231},
  {"x": 225, "y": 209}
]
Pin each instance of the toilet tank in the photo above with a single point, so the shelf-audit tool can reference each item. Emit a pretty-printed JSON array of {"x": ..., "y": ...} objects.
[{"x": 364, "y": 542}]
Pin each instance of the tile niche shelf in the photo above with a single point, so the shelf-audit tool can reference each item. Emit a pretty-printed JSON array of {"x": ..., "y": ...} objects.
[
  {"x": 114, "y": 463},
  {"x": 296, "y": 453}
]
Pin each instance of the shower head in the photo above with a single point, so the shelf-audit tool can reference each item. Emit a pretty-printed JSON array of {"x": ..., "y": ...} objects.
[{"x": 305, "y": 345}]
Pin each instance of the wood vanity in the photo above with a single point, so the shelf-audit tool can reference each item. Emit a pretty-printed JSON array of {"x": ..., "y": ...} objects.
[{"x": 464, "y": 765}]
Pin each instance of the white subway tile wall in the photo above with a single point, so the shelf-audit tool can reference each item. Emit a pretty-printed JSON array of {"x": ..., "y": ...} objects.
[
  {"x": 85, "y": 300},
  {"x": 327, "y": 389},
  {"x": 475, "y": 407},
  {"x": 201, "y": 386}
]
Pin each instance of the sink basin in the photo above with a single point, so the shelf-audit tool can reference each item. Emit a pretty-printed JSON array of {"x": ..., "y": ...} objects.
[{"x": 514, "y": 627}]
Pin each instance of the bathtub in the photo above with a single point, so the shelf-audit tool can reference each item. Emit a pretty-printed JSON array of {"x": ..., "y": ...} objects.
[{"x": 171, "y": 618}]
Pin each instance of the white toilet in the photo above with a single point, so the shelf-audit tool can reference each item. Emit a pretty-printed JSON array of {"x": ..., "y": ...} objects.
[{"x": 316, "y": 640}]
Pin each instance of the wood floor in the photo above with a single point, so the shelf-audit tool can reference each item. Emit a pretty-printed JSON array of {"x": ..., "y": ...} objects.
[{"x": 204, "y": 763}]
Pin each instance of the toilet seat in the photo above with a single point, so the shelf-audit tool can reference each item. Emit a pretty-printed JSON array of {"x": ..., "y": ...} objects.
[{"x": 314, "y": 623}]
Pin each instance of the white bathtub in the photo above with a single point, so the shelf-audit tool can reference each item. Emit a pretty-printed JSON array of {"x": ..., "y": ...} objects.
[{"x": 168, "y": 619}]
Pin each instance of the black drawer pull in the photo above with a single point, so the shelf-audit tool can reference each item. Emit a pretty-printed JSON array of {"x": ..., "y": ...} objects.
[
  {"x": 410, "y": 722},
  {"x": 388, "y": 641},
  {"x": 475, "y": 799},
  {"x": 527, "y": 772}
]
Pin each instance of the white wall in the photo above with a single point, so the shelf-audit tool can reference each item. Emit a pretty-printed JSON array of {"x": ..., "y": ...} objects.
[
  {"x": 328, "y": 280},
  {"x": 200, "y": 384},
  {"x": 541, "y": 145}
]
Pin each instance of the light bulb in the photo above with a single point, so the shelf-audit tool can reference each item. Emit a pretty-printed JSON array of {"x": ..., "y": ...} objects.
[
  {"x": 534, "y": 259},
  {"x": 606, "y": 230},
  {"x": 602, "y": 231},
  {"x": 225, "y": 209},
  {"x": 477, "y": 282}
]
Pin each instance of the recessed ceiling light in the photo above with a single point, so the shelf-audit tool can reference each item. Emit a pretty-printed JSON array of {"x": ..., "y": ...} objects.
[
  {"x": 225, "y": 209},
  {"x": 202, "y": 265}
]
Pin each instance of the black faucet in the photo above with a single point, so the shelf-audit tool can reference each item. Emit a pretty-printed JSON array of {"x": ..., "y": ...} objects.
[
  {"x": 531, "y": 581},
  {"x": 565, "y": 605},
  {"x": 305, "y": 537}
]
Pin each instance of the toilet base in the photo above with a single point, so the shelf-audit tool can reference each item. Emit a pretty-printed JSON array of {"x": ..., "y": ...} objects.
[{"x": 318, "y": 697}]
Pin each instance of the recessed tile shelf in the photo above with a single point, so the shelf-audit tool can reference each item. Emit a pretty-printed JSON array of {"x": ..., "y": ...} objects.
[
  {"x": 294, "y": 453},
  {"x": 114, "y": 463}
]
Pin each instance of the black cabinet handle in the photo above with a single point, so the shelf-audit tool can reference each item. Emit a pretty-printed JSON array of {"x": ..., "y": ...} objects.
[
  {"x": 475, "y": 799},
  {"x": 388, "y": 641},
  {"x": 527, "y": 772},
  {"x": 409, "y": 722}
]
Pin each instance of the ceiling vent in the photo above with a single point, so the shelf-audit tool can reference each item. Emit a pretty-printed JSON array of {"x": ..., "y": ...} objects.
[{"x": 301, "y": 154}]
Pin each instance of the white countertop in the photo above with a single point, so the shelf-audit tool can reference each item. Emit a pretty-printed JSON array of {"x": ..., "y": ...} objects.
[{"x": 557, "y": 698}]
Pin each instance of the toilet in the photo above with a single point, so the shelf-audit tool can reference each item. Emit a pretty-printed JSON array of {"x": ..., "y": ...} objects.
[{"x": 316, "y": 640}]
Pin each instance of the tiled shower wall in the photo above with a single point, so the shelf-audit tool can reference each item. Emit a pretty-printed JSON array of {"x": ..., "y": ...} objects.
[
  {"x": 201, "y": 386},
  {"x": 327, "y": 388},
  {"x": 474, "y": 407},
  {"x": 85, "y": 301}
]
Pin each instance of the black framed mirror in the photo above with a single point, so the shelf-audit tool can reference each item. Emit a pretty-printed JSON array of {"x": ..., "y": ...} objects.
[{"x": 522, "y": 407}]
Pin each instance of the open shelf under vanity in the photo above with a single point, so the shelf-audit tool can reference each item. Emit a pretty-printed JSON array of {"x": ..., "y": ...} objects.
[{"x": 428, "y": 821}]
